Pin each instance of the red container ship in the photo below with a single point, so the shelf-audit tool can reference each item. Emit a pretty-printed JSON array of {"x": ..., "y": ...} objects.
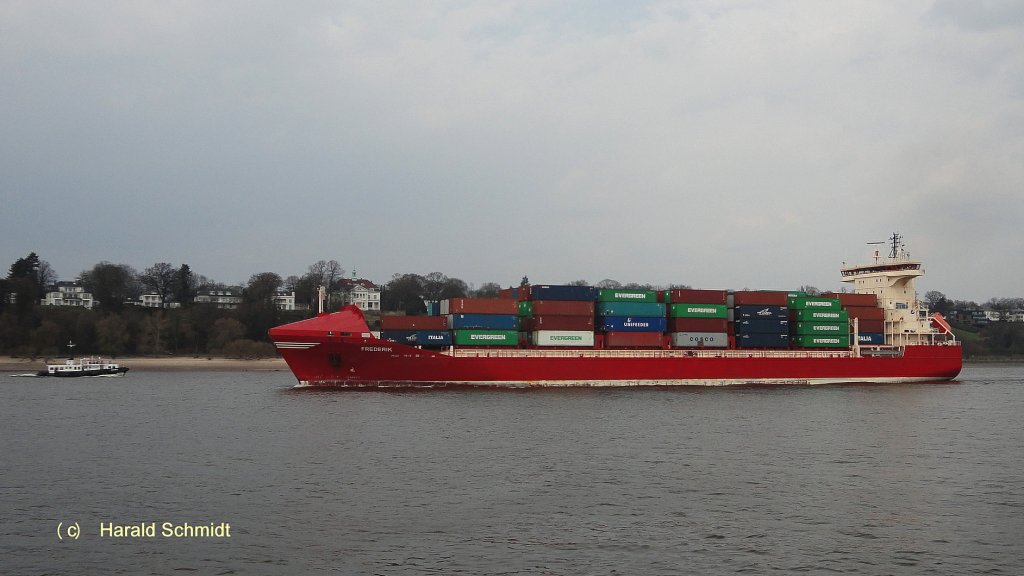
[{"x": 339, "y": 350}]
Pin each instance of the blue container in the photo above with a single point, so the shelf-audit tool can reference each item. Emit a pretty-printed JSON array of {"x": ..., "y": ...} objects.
[
  {"x": 871, "y": 338},
  {"x": 434, "y": 338},
  {"x": 483, "y": 321},
  {"x": 756, "y": 340},
  {"x": 433, "y": 307},
  {"x": 634, "y": 309},
  {"x": 399, "y": 336},
  {"x": 752, "y": 311},
  {"x": 631, "y": 324},
  {"x": 549, "y": 292},
  {"x": 762, "y": 325}
]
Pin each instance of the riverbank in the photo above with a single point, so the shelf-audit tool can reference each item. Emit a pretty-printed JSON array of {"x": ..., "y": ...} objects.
[{"x": 159, "y": 364}]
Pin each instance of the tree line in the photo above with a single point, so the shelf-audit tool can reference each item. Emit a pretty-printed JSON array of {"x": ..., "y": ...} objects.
[{"x": 117, "y": 325}]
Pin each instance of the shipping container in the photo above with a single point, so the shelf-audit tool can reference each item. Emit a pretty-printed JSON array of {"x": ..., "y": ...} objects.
[
  {"x": 688, "y": 296},
  {"x": 759, "y": 298},
  {"x": 624, "y": 295},
  {"x": 562, "y": 338},
  {"x": 819, "y": 316},
  {"x": 433, "y": 307},
  {"x": 822, "y": 341},
  {"x": 484, "y": 321},
  {"x": 761, "y": 311},
  {"x": 871, "y": 338},
  {"x": 513, "y": 293},
  {"x": 758, "y": 340},
  {"x": 813, "y": 304},
  {"x": 562, "y": 308},
  {"x": 869, "y": 326},
  {"x": 571, "y": 323},
  {"x": 700, "y": 339},
  {"x": 560, "y": 292},
  {"x": 434, "y": 338},
  {"x": 698, "y": 311},
  {"x": 866, "y": 313},
  {"x": 698, "y": 325},
  {"x": 414, "y": 322},
  {"x": 400, "y": 336},
  {"x": 762, "y": 325},
  {"x": 479, "y": 306},
  {"x": 641, "y": 309},
  {"x": 631, "y": 324},
  {"x": 525, "y": 308},
  {"x": 486, "y": 337},
  {"x": 849, "y": 299},
  {"x": 634, "y": 340},
  {"x": 820, "y": 328}
]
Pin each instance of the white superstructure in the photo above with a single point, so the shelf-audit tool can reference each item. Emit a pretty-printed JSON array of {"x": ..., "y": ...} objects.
[{"x": 891, "y": 279}]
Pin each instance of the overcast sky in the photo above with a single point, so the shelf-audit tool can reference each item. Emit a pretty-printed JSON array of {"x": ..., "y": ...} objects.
[{"x": 721, "y": 144}]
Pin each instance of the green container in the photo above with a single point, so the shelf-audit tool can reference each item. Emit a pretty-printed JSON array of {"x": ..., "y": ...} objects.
[
  {"x": 698, "y": 311},
  {"x": 822, "y": 341},
  {"x": 486, "y": 337},
  {"x": 814, "y": 304},
  {"x": 526, "y": 309},
  {"x": 634, "y": 309},
  {"x": 796, "y": 294},
  {"x": 820, "y": 316},
  {"x": 616, "y": 295},
  {"x": 834, "y": 328}
]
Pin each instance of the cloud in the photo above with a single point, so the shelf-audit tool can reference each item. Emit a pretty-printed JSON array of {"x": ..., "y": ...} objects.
[{"x": 714, "y": 143}]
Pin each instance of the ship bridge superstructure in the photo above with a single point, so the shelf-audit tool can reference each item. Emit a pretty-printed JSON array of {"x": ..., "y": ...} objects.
[{"x": 891, "y": 279}]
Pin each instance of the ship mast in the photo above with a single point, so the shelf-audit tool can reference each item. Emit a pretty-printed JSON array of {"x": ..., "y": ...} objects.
[{"x": 897, "y": 246}]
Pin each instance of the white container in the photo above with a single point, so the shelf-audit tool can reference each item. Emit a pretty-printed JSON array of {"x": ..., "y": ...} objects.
[{"x": 562, "y": 338}]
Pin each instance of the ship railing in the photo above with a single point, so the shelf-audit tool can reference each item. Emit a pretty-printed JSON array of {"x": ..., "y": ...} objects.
[{"x": 576, "y": 353}]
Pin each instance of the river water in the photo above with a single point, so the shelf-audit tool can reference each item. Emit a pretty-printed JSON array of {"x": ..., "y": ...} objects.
[{"x": 896, "y": 479}]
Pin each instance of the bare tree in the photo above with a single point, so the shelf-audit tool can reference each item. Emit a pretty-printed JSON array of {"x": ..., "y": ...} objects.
[{"x": 160, "y": 278}]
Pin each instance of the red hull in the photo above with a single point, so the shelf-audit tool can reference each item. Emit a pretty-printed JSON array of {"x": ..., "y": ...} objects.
[{"x": 338, "y": 350}]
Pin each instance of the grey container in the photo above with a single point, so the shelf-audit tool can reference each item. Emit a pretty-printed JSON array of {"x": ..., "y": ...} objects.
[{"x": 700, "y": 339}]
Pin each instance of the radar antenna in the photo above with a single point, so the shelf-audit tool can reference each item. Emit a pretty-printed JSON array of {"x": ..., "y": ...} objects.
[{"x": 877, "y": 253}]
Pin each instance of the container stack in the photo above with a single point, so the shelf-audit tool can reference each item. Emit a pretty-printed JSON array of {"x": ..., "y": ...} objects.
[
  {"x": 482, "y": 321},
  {"x": 697, "y": 318},
  {"x": 559, "y": 316},
  {"x": 425, "y": 331},
  {"x": 870, "y": 318},
  {"x": 761, "y": 319},
  {"x": 631, "y": 318},
  {"x": 819, "y": 323}
]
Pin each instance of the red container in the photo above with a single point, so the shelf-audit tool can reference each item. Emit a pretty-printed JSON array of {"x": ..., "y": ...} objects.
[
  {"x": 562, "y": 308},
  {"x": 482, "y": 306},
  {"x": 849, "y": 299},
  {"x": 634, "y": 339},
  {"x": 560, "y": 323},
  {"x": 514, "y": 293},
  {"x": 869, "y": 326},
  {"x": 698, "y": 324},
  {"x": 760, "y": 298},
  {"x": 866, "y": 312},
  {"x": 414, "y": 322},
  {"x": 687, "y": 296}
]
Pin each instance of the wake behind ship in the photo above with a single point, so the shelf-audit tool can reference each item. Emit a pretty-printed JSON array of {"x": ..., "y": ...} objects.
[{"x": 549, "y": 335}]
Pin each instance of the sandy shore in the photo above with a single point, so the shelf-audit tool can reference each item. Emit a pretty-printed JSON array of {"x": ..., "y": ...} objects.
[{"x": 161, "y": 364}]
